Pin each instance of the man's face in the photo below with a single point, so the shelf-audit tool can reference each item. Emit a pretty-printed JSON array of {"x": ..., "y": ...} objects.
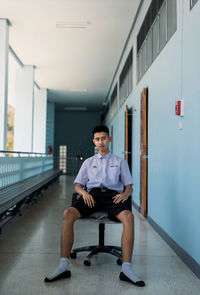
[{"x": 101, "y": 141}]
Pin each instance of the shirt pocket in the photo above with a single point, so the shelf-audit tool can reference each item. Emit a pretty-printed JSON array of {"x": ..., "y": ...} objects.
[
  {"x": 93, "y": 173},
  {"x": 114, "y": 173}
]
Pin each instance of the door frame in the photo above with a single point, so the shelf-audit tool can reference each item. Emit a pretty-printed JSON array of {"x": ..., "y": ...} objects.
[
  {"x": 128, "y": 136},
  {"x": 144, "y": 153}
]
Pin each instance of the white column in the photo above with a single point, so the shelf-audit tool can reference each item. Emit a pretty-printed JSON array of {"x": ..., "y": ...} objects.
[
  {"x": 23, "y": 133},
  {"x": 4, "y": 49},
  {"x": 40, "y": 113}
]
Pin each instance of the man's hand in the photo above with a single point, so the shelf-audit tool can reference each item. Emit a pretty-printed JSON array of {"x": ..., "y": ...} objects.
[
  {"x": 120, "y": 198},
  {"x": 88, "y": 199},
  {"x": 123, "y": 196}
]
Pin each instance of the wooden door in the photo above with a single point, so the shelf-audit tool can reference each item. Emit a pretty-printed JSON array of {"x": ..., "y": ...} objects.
[
  {"x": 128, "y": 136},
  {"x": 144, "y": 152}
]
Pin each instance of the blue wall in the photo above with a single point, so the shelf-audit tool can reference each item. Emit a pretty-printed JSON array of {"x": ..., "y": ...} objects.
[
  {"x": 173, "y": 164},
  {"x": 74, "y": 129},
  {"x": 50, "y": 125}
]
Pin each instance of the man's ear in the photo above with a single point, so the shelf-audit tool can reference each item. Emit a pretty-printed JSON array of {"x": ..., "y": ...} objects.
[
  {"x": 110, "y": 138},
  {"x": 93, "y": 141}
]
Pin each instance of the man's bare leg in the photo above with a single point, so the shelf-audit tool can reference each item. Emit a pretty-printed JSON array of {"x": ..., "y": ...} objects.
[
  {"x": 67, "y": 239},
  {"x": 67, "y": 236},
  {"x": 127, "y": 241}
]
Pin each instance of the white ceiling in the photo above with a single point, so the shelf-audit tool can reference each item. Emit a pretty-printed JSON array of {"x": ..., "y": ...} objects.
[{"x": 65, "y": 59}]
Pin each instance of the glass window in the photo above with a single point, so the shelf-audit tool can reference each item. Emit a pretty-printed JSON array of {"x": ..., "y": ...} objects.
[
  {"x": 162, "y": 27},
  {"x": 160, "y": 24},
  {"x": 114, "y": 102},
  {"x": 114, "y": 107},
  {"x": 125, "y": 85},
  {"x": 149, "y": 50},
  {"x": 143, "y": 60},
  {"x": 171, "y": 18},
  {"x": 192, "y": 3},
  {"x": 63, "y": 158},
  {"x": 130, "y": 79},
  {"x": 138, "y": 66},
  {"x": 155, "y": 39}
]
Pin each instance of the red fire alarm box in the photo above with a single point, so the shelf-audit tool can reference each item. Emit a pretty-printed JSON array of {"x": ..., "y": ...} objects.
[{"x": 179, "y": 108}]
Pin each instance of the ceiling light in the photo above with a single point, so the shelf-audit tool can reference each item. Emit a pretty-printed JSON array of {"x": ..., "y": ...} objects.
[
  {"x": 75, "y": 108},
  {"x": 72, "y": 25},
  {"x": 78, "y": 90}
]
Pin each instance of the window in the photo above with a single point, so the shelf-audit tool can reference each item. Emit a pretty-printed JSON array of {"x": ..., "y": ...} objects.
[
  {"x": 157, "y": 28},
  {"x": 155, "y": 39},
  {"x": 149, "y": 50},
  {"x": 125, "y": 79},
  {"x": 192, "y": 3},
  {"x": 171, "y": 18},
  {"x": 114, "y": 102},
  {"x": 63, "y": 158},
  {"x": 106, "y": 116},
  {"x": 143, "y": 60},
  {"x": 162, "y": 27}
]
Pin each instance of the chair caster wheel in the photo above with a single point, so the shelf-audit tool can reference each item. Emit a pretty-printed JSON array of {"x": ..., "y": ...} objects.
[
  {"x": 73, "y": 255},
  {"x": 119, "y": 261},
  {"x": 87, "y": 262}
]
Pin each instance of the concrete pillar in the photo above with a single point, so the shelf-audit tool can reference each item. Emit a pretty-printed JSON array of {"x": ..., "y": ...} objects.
[
  {"x": 39, "y": 125},
  {"x": 24, "y": 108},
  {"x": 4, "y": 49}
]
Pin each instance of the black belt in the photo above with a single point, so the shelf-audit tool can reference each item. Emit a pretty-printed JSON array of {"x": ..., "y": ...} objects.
[{"x": 102, "y": 189}]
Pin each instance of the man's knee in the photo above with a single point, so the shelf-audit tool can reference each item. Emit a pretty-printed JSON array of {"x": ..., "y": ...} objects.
[
  {"x": 126, "y": 216},
  {"x": 71, "y": 214}
]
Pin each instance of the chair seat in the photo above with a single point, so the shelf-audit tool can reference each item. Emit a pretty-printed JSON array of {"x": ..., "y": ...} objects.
[{"x": 101, "y": 216}]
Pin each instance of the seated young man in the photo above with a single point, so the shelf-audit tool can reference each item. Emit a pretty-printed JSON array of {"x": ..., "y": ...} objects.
[{"x": 109, "y": 187}]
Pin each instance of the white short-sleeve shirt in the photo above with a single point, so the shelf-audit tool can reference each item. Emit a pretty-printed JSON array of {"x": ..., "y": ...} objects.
[{"x": 104, "y": 171}]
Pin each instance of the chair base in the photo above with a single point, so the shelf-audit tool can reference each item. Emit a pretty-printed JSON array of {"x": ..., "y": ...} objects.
[
  {"x": 94, "y": 250},
  {"x": 101, "y": 248}
]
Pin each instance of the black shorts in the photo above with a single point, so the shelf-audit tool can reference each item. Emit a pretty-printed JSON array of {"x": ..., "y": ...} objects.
[{"x": 104, "y": 202}]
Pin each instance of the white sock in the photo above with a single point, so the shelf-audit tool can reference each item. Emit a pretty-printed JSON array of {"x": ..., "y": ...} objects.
[
  {"x": 126, "y": 269},
  {"x": 63, "y": 266}
]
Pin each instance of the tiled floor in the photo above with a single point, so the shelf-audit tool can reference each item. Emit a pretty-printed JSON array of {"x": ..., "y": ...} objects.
[{"x": 30, "y": 249}]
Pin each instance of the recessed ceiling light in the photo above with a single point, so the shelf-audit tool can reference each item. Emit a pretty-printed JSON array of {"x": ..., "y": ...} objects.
[
  {"x": 72, "y": 25},
  {"x": 78, "y": 90},
  {"x": 75, "y": 108}
]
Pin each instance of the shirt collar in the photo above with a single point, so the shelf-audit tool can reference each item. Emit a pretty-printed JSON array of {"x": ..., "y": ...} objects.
[{"x": 105, "y": 157}]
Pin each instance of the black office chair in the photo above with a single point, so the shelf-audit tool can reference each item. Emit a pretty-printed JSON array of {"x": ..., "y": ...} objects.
[{"x": 100, "y": 217}]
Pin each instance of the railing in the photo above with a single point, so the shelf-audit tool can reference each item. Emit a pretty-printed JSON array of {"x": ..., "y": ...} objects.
[{"x": 16, "y": 166}]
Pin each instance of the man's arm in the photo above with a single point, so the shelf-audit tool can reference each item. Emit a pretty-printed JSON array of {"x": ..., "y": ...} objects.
[
  {"x": 123, "y": 196},
  {"x": 87, "y": 198}
]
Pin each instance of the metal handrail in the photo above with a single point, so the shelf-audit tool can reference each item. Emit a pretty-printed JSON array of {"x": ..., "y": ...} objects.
[
  {"x": 26, "y": 153},
  {"x": 17, "y": 166}
]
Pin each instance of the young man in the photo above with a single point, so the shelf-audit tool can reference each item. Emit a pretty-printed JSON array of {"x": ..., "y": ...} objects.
[{"x": 109, "y": 187}]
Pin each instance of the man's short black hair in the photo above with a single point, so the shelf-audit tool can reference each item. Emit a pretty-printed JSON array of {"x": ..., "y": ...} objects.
[{"x": 101, "y": 128}]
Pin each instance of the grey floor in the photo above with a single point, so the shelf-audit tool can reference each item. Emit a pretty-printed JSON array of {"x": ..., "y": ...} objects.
[{"x": 30, "y": 249}]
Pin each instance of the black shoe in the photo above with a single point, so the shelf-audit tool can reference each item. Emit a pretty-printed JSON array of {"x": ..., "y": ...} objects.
[
  {"x": 123, "y": 277},
  {"x": 63, "y": 275}
]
